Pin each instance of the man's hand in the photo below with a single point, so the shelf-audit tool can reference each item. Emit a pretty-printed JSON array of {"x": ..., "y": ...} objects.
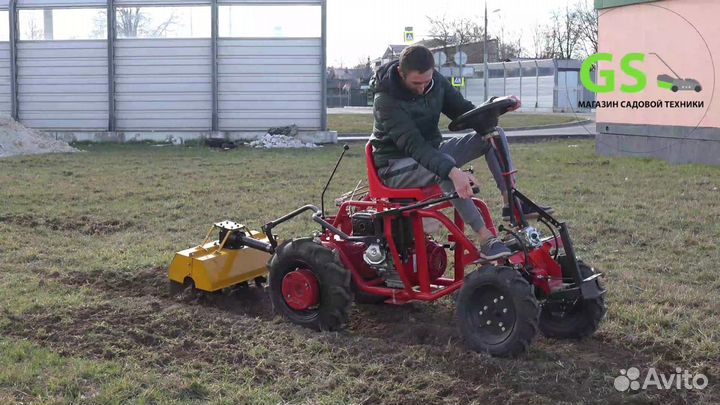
[
  {"x": 517, "y": 103},
  {"x": 463, "y": 182}
]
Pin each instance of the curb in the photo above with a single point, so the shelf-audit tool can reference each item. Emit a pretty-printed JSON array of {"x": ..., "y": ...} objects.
[
  {"x": 446, "y": 133},
  {"x": 511, "y": 138},
  {"x": 550, "y": 126}
]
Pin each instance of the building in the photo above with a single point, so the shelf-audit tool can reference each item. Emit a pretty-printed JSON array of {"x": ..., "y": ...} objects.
[
  {"x": 543, "y": 85},
  {"x": 347, "y": 86},
  {"x": 474, "y": 51},
  {"x": 189, "y": 67},
  {"x": 679, "y": 39}
]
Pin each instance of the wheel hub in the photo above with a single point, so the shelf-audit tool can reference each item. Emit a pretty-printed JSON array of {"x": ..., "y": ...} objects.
[
  {"x": 300, "y": 289},
  {"x": 495, "y": 314}
]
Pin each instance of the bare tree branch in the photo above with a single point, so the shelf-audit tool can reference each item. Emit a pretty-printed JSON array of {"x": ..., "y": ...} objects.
[{"x": 441, "y": 29}]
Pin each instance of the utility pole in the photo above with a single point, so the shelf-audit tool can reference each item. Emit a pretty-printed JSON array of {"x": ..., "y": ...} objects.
[{"x": 485, "y": 58}]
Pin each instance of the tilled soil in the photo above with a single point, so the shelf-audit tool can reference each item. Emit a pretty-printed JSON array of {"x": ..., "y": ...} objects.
[{"x": 393, "y": 354}]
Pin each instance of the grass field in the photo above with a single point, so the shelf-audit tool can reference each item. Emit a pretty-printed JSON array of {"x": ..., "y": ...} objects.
[
  {"x": 85, "y": 240},
  {"x": 363, "y": 123}
]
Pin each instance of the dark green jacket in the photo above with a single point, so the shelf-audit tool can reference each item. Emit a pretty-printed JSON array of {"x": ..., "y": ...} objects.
[{"x": 406, "y": 124}]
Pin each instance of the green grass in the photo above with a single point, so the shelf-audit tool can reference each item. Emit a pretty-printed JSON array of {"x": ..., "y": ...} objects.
[
  {"x": 85, "y": 318},
  {"x": 363, "y": 123}
]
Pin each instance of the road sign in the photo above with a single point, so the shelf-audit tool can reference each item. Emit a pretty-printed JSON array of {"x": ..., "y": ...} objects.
[
  {"x": 458, "y": 81},
  {"x": 440, "y": 58},
  {"x": 460, "y": 58},
  {"x": 409, "y": 34}
]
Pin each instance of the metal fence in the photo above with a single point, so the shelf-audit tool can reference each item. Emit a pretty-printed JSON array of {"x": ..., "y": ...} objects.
[
  {"x": 543, "y": 85},
  {"x": 223, "y": 73}
]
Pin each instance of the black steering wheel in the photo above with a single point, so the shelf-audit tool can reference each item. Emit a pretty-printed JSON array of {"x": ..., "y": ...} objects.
[{"x": 485, "y": 116}]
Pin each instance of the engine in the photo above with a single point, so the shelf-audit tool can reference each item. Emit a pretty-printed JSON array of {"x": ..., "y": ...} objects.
[
  {"x": 378, "y": 258},
  {"x": 363, "y": 224}
]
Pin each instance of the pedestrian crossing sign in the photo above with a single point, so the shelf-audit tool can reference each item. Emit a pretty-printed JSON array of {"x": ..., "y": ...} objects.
[{"x": 409, "y": 34}]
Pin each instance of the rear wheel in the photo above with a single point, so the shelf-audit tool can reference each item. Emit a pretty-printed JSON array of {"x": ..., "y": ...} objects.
[
  {"x": 572, "y": 320},
  {"x": 497, "y": 312},
  {"x": 309, "y": 286}
]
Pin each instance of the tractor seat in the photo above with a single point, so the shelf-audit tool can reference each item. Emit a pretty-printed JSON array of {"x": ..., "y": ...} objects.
[{"x": 379, "y": 190}]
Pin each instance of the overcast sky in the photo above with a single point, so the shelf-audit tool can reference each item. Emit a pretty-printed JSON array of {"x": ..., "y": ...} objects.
[{"x": 361, "y": 28}]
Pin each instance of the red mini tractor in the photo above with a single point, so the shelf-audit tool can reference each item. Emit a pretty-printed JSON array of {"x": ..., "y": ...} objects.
[{"x": 375, "y": 250}]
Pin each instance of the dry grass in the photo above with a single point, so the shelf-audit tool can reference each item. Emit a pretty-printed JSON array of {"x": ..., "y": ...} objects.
[{"x": 85, "y": 239}]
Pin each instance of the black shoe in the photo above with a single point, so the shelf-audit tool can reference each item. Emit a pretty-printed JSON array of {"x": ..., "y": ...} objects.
[
  {"x": 527, "y": 211},
  {"x": 494, "y": 249}
]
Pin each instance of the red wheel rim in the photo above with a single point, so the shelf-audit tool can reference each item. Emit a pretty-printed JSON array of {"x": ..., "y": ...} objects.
[{"x": 300, "y": 289}]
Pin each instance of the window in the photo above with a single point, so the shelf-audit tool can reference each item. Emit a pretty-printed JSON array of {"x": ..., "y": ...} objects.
[
  {"x": 163, "y": 22},
  {"x": 276, "y": 21},
  {"x": 4, "y": 24},
  {"x": 62, "y": 24}
]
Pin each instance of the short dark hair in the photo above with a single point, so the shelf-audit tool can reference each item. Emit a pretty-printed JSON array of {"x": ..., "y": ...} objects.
[{"x": 416, "y": 57}]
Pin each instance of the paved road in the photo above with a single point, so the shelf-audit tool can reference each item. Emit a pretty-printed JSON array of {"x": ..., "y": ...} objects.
[
  {"x": 368, "y": 110},
  {"x": 575, "y": 131}
]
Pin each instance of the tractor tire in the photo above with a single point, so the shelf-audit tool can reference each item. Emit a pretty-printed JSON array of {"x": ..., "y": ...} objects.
[
  {"x": 333, "y": 280},
  {"x": 564, "y": 321},
  {"x": 497, "y": 311}
]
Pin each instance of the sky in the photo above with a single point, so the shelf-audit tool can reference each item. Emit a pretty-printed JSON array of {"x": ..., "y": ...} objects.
[{"x": 361, "y": 28}]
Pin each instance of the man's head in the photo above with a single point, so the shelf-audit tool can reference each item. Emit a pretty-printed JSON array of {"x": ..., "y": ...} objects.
[{"x": 416, "y": 68}]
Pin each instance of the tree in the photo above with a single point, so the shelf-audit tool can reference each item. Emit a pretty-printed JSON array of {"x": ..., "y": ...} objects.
[
  {"x": 508, "y": 49},
  {"x": 572, "y": 33},
  {"x": 442, "y": 30},
  {"x": 463, "y": 31},
  {"x": 466, "y": 31},
  {"x": 588, "y": 17},
  {"x": 33, "y": 30},
  {"x": 133, "y": 22}
]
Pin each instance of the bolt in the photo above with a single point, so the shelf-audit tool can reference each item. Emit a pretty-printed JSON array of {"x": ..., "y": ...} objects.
[
  {"x": 504, "y": 310},
  {"x": 495, "y": 300},
  {"x": 502, "y": 298},
  {"x": 502, "y": 329},
  {"x": 485, "y": 308},
  {"x": 480, "y": 313},
  {"x": 500, "y": 324},
  {"x": 489, "y": 322}
]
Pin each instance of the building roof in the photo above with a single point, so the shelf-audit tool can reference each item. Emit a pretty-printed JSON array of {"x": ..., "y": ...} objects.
[
  {"x": 396, "y": 49},
  {"x": 600, "y": 4}
]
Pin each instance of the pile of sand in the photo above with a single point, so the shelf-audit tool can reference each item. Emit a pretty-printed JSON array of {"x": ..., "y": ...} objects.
[{"x": 17, "y": 139}]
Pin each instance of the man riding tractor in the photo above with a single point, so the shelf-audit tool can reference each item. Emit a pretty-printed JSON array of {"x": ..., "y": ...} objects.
[{"x": 408, "y": 149}]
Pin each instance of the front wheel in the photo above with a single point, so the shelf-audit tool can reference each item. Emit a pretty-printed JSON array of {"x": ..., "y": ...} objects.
[
  {"x": 309, "y": 286},
  {"x": 572, "y": 320},
  {"x": 497, "y": 312}
]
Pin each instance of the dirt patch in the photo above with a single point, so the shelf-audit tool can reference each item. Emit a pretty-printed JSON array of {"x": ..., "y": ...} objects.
[
  {"x": 84, "y": 224},
  {"x": 164, "y": 334},
  {"x": 401, "y": 354},
  {"x": 153, "y": 283}
]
